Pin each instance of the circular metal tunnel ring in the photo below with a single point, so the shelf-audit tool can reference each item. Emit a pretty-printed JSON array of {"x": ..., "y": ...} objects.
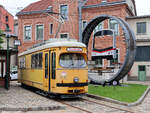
[{"x": 129, "y": 40}]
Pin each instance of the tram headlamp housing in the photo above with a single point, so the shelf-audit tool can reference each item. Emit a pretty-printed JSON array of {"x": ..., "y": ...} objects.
[
  {"x": 76, "y": 79},
  {"x": 63, "y": 74}
]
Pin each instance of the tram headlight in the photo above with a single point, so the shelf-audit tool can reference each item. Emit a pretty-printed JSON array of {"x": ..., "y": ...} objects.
[
  {"x": 76, "y": 79},
  {"x": 63, "y": 74}
]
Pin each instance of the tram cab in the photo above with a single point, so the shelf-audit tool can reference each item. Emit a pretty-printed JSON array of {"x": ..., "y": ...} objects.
[{"x": 57, "y": 67}]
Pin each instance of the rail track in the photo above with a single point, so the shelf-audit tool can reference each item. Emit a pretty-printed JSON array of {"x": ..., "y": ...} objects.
[
  {"x": 85, "y": 105},
  {"x": 89, "y": 105}
]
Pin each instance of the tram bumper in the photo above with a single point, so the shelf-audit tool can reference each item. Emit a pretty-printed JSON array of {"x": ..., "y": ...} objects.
[{"x": 75, "y": 91}]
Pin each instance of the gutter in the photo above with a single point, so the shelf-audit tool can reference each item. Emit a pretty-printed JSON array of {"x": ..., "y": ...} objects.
[
  {"x": 35, "y": 12},
  {"x": 105, "y": 4}
]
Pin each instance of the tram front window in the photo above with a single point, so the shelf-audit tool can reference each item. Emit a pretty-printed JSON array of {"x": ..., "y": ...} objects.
[{"x": 72, "y": 60}]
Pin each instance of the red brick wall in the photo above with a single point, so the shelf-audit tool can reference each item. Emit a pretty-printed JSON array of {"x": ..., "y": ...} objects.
[
  {"x": 3, "y": 14},
  {"x": 118, "y": 11},
  {"x": 71, "y": 26}
]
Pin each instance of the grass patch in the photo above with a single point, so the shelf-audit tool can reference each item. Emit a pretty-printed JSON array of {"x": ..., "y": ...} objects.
[{"x": 127, "y": 93}]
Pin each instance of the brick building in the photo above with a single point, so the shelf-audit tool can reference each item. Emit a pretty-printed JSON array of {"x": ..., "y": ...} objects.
[
  {"x": 40, "y": 21},
  {"x": 6, "y": 20},
  {"x": 35, "y": 25}
]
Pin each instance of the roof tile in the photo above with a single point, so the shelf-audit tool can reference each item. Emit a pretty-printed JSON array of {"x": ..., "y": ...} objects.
[{"x": 37, "y": 6}]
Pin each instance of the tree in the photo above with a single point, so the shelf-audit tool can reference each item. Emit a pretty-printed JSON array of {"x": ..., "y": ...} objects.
[{"x": 1, "y": 40}]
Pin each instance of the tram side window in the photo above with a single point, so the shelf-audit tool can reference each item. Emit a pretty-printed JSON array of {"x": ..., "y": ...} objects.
[
  {"x": 53, "y": 65},
  {"x": 36, "y": 61},
  {"x": 22, "y": 62},
  {"x": 32, "y": 61},
  {"x": 40, "y": 60},
  {"x": 46, "y": 65}
]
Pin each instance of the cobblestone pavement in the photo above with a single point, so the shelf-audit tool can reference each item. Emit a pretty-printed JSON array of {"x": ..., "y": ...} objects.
[{"x": 17, "y": 97}]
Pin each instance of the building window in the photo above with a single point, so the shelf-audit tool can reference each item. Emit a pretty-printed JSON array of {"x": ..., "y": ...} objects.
[
  {"x": 84, "y": 23},
  {"x": 141, "y": 27},
  {"x": 64, "y": 11},
  {"x": 64, "y": 35},
  {"x": 98, "y": 27},
  {"x": 116, "y": 60},
  {"x": 7, "y": 27},
  {"x": 113, "y": 25},
  {"x": 39, "y": 32},
  {"x": 27, "y": 32},
  {"x": 142, "y": 54},
  {"x": 51, "y": 28},
  {"x": 6, "y": 18},
  {"x": 98, "y": 61}
]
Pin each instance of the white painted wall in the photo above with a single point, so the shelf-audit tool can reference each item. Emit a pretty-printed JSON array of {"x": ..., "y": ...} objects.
[{"x": 132, "y": 23}]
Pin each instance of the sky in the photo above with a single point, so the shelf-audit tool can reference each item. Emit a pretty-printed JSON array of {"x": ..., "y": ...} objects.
[{"x": 14, "y": 6}]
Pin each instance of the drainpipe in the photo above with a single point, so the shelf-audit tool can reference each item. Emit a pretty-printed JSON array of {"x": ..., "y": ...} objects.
[{"x": 81, "y": 4}]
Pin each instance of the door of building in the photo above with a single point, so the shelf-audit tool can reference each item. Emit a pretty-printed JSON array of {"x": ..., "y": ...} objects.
[
  {"x": 142, "y": 72},
  {"x": 2, "y": 66}
]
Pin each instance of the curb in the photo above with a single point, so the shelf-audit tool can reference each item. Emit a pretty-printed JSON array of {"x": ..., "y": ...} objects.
[
  {"x": 33, "y": 108},
  {"x": 121, "y": 103}
]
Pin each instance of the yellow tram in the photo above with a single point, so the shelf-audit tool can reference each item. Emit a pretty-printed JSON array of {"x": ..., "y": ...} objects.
[{"x": 56, "y": 67}]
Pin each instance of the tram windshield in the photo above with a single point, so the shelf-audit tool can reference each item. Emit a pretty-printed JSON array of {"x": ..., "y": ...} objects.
[{"x": 72, "y": 60}]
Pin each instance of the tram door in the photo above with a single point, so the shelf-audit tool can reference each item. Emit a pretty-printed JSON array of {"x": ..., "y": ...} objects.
[
  {"x": 49, "y": 70},
  {"x": 46, "y": 71},
  {"x": 52, "y": 69}
]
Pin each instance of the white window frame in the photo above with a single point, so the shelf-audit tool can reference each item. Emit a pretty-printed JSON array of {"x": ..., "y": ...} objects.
[
  {"x": 102, "y": 63},
  {"x": 146, "y": 28},
  {"x": 67, "y": 10},
  {"x": 113, "y": 29},
  {"x": 118, "y": 58},
  {"x": 64, "y": 33},
  {"x": 102, "y": 26},
  {"x": 36, "y": 32},
  {"x": 51, "y": 28},
  {"x": 24, "y": 33}
]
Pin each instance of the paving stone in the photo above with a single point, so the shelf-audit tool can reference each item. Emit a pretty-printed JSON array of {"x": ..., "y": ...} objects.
[{"x": 19, "y": 98}]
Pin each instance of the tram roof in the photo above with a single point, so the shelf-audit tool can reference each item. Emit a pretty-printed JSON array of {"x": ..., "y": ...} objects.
[{"x": 54, "y": 44}]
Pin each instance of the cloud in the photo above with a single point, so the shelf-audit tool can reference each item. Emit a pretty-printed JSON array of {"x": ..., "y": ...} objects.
[
  {"x": 143, "y": 7},
  {"x": 14, "y": 6}
]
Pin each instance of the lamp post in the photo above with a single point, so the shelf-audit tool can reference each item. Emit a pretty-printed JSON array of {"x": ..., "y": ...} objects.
[{"x": 7, "y": 62}]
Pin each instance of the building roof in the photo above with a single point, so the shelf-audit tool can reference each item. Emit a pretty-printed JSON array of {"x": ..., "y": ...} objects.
[
  {"x": 42, "y": 5},
  {"x": 138, "y": 17},
  {"x": 3, "y": 8},
  {"x": 94, "y": 2},
  {"x": 100, "y": 3},
  {"x": 36, "y": 7}
]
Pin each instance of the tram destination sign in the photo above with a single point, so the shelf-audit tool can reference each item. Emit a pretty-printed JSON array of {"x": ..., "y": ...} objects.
[{"x": 74, "y": 49}]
